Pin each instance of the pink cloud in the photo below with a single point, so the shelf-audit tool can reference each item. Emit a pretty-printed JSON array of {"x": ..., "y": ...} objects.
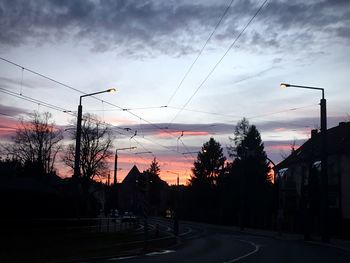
[
  {"x": 279, "y": 129},
  {"x": 7, "y": 127}
]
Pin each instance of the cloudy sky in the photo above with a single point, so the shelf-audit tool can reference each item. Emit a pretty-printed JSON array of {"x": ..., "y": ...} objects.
[{"x": 185, "y": 70}]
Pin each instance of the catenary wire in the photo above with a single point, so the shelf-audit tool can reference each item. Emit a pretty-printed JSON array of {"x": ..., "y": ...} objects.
[
  {"x": 219, "y": 61},
  {"x": 200, "y": 52}
]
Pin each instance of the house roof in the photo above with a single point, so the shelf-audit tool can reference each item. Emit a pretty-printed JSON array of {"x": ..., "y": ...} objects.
[
  {"x": 132, "y": 175},
  {"x": 338, "y": 142}
]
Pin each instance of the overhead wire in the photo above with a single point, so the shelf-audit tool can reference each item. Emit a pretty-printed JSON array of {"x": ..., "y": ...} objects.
[
  {"x": 200, "y": 52},
  {"x": 81, "y": 92},
  {"x": 219, "y": 61},
  {"x": 41, "y": 75},
  {"x": 35, "y": 101},
  {"x": 282, "y": 111}
]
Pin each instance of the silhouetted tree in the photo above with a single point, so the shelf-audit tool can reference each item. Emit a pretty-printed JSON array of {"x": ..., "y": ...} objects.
[
  {"x": 240, "y": 133},
  {"x": 210, "y": 162},
  {"x": 157, "y": 188},
  {"x": 96, "y": 141},
  {"x": 10, "y": 167},
  {"x": 293, "y": 147},
  {"x": 154, "y": 168},
  {"x": 36, "y": 143},
  {"x": 229, "y": 194},
  {"x": 252, "y": 166},
  {"x": 202, "y": 192}
]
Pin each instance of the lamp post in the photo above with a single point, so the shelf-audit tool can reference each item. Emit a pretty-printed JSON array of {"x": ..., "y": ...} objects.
[
  {"x": 116, "y": 162},
  {"x": 324, "y": 160},
  {"x": 78, "y": 135},
  {"x": 176, "y": 214}
]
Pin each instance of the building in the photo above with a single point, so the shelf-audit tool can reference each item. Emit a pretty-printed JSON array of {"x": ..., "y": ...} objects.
[
  {"x": 143, "y": 193},
  {"x": 128, "y": 192},
  {"x": 299, "y": 180}
]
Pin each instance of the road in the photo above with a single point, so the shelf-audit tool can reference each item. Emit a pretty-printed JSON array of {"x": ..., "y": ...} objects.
[{"x": 209, "y": 243}]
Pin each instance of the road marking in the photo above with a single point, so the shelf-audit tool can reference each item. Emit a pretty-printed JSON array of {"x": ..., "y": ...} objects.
[
  {"x": 160, "y": 252},
  {"x": 121, "y": 258},
  {"x": 140, "y": 228},
  {"x": 187, "y": 232},
  {"x": 256, "y": 249}
]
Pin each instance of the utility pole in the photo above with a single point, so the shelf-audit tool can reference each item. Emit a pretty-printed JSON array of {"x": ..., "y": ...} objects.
[
  {"x": 176, "y": 208},
  {"x": 114, "y": 188},
  {"x": 116, "y": 162},
  {"x": 78, "y": 133},
  {"x": 324, "y": 171},
  {"x": 324, "y": 161}
]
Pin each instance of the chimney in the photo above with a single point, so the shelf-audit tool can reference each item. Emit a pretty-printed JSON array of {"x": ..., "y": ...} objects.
[{"x": 314, "y": 132}]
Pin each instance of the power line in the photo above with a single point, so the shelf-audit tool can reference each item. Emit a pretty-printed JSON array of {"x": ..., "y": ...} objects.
[
  {"x": 81, "y": 92},
  {"x": 131, "y": 109},
  {"x": 42, "y": 75},
  {"x": 200, "y": 52},
  {"x": 282, "y": 111},
  {"x": 205, "y": 112},
  {"x": 132, "y": 132},
  {"x": 35, "y": 101},
  {"x": 219, "y": 61}
]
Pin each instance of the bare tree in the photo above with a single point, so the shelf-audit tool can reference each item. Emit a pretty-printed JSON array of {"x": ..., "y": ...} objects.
[
  {"x": 36, "y": 142},
  {"x": 96, "y": 141},
  {"x": 293, "y": 147}
]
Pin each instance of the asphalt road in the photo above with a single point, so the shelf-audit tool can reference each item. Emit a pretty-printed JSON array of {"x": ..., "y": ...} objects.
[{"x": 208, "y": 243}]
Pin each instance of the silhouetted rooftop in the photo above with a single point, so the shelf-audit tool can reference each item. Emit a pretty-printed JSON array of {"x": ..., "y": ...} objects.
[
  {"x": 132, "y": 175},
  {"x": 338, "y": 142}
]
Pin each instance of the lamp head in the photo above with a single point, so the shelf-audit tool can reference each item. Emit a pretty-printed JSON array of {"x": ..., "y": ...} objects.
[
  {"x": 284, "y": 85},
  {"x": 112, "y": 90}
]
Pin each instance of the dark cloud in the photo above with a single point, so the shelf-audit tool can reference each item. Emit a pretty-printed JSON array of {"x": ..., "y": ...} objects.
[
  {"x": 176, "y": 129},
  {"x": 10, "y": 111},
  {"x": 169, "y": 27},
  {"x": 304, "y": 24},
  {"x": 122, "y": 25},
  {"x": 216, "y": 129}
]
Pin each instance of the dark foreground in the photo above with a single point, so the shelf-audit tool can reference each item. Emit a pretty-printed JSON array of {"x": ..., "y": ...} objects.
[
  {"x": 208, "y": 243},
  {"x": 196, "y": 243}
]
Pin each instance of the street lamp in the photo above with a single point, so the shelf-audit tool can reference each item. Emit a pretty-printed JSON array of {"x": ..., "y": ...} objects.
[
  {"x": 116, "y": 162},
  {"x": 324, "y": 160},
  {"x": 78, "y": 135}
]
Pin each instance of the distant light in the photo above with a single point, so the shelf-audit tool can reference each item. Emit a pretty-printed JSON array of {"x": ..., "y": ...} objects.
[{"x": 284, "y": 85}]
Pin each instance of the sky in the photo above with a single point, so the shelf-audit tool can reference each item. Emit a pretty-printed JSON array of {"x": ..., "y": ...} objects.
[{"x": 184, "y": 71}]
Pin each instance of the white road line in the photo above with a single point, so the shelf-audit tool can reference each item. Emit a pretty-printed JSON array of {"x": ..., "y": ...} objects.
[
  {"x": 156, "y": 253},
  {"x": 256, "y": 249},
  {"x": 121, "y": 258},
  {"x": 187, "y": 232},
  {"x": 140, "y": 228}
]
